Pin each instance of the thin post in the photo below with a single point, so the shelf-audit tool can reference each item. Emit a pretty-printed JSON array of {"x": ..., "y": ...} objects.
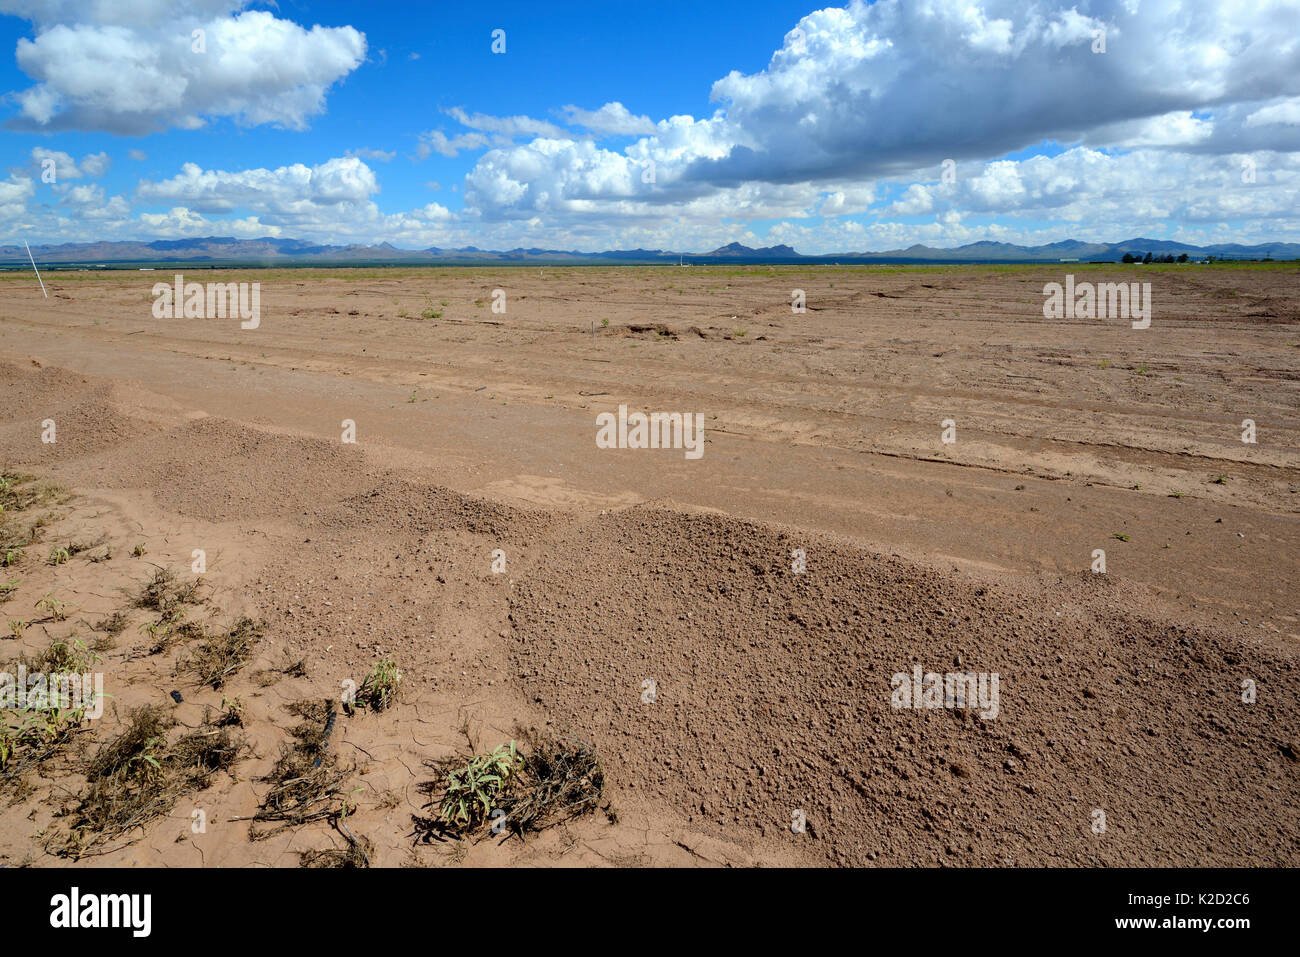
[{"x": 37, "y": 271}]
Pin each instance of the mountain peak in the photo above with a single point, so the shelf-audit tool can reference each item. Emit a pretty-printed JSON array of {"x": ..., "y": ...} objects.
[
  {"x": 732, "y": 249},
  {"x": 769, "y": 252}
]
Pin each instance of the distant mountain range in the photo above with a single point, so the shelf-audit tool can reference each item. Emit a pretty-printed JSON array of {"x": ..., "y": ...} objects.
[{"x": 226, "y": 251}]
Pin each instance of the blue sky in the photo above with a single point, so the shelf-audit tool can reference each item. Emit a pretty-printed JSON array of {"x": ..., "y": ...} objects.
[
  {"x": 669, "y": 125},
  {"x": 663, "y": 66}
]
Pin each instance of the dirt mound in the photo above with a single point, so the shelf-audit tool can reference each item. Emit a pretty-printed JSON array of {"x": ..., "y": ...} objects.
[
  {"x": 86, "y": 415},
  {"x": 218, "y": 470},
  {"x": 772, "y": 695},
  {"x": 396, "y": 506}
]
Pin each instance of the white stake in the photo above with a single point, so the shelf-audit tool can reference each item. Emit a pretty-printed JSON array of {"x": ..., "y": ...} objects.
[{"x": 38, "y": 272}]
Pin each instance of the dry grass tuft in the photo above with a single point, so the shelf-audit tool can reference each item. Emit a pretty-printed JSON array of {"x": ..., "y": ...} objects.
[
  {"x": 305, "y": 781},
  {"x": 356, "y": 855},
  {"x": 138, "y": 777},
  {"x": 162, "y": 593},
  {"x": 218, "y": 656}
]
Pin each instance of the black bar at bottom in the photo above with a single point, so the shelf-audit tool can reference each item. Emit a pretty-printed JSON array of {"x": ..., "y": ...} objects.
[{"x": 268, "y": 908}]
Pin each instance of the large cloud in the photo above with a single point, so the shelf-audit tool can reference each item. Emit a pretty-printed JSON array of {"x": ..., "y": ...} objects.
[
  {"x": 877, "y": 89},
  {"x": 331, "y": 201},
  {"x": 131, "y": 68},
  {"x": 290, "y": 194},
  {"x": 1098, "y": 192},
  {"x": 1181, "y": 96}
]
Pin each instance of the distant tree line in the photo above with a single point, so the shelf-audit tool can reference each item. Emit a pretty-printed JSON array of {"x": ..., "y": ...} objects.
[{"x": 1167, "y": 258}]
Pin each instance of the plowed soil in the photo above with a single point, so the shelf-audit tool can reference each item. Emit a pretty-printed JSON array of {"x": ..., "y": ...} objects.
[{"x": 655, "y": 605}]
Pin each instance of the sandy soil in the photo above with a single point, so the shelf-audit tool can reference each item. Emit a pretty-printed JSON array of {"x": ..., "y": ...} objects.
[{"x": 476, "y": 431}]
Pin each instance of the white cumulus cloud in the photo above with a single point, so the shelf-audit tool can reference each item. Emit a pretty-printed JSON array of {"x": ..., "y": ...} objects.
[
  {"x": 140, "y": 66},
  {"x": 612, "y": 119}
]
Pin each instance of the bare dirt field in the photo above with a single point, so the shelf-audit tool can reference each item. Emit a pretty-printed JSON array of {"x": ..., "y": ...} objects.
[{"x": 528, "y": 583}]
